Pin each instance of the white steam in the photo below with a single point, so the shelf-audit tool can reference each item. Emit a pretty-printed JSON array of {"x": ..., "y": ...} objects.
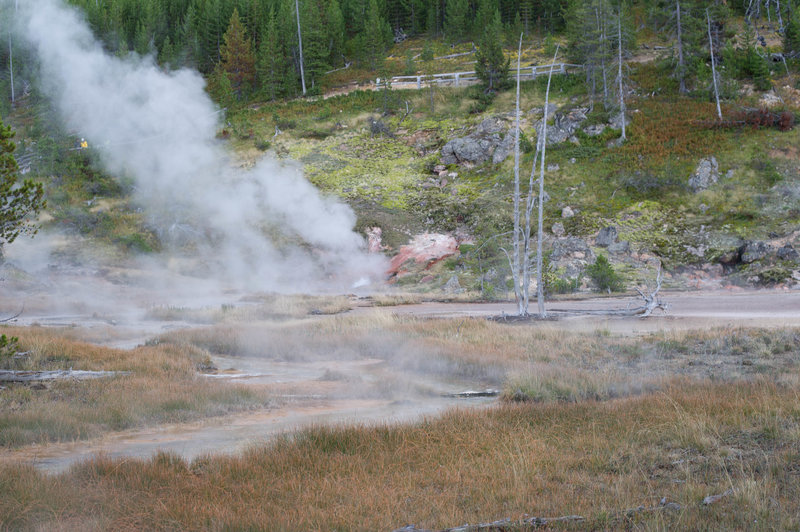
[{"x": 159, "y": 128}]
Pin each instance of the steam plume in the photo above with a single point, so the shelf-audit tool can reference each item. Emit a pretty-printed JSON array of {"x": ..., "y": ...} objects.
[{"x": 159, "y": 128}]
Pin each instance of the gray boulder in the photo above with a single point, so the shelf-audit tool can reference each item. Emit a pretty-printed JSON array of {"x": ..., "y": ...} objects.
[
  {"x": 788, "y": 252},
  {"x": 706, "y": 174},
  {"x": 453, "y": 286},
  {"x": 753, "y": 251},
  {"x": 619, "y": 247},
  {"x": 571, "y": 247},
  {"x": 564, "y": 125},
  {"x": 467, "y": 149},
  {"x": 606, "y": 236},
  {"x": 492, "y": 139}
]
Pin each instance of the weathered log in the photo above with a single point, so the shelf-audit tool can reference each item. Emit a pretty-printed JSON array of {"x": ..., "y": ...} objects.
[
  {"x": 489, "y": 392},
  {"x": 35, "y": 376},
  {"x": 502, "y": 524}
]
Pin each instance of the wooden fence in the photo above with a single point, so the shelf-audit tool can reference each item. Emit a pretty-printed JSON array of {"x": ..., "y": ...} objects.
[{"x": 457, "y": 79}]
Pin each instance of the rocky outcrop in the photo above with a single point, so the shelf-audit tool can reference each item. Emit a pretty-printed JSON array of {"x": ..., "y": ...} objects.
[
  {"x": 706, "y": 174},
  {"x": 564, "y": 125},
  {"x": 606, "y": 236},
  {"x": 493, "y": 139},
  {"x": 422, "y": 252},
  {"x": 753, "y": 251}
]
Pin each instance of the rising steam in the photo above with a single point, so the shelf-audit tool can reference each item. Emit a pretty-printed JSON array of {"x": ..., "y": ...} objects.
[{"x": 159, "y": 128}]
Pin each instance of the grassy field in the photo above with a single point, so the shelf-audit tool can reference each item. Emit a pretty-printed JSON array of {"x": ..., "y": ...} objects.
[
  {"x": 626, "y": 432},
  {"x": 598, "y": 460}
]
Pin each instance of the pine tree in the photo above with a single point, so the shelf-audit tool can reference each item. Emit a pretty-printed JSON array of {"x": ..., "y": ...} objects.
[
  {"x": 491, "y": 65},
  {"x": 18, "y": 200},
  {"x": 237, "y": 56},
  {"x": 791, "y": 36},
  {"x": 315, "y": 43},
  {"x": 336, "y": 33},
  {"x": 272, "y": 67},
  {"x": 456, "y": 19},
  {"x": 374, "y": 37}
]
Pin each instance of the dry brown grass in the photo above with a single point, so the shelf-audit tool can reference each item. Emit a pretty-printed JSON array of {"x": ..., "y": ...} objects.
[
  {"x": 595, "y": 459},
  {"x": 262, "y": 307},
  {"x": 162, "y": 387}
]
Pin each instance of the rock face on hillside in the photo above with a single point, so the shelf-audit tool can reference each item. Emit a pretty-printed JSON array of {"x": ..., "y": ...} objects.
[
  {"x": 493, "y": 139},
  {"x": 706, "y": 174},
  {"x": 422, "y": 252},
  {"x": 564, "y": 125}
]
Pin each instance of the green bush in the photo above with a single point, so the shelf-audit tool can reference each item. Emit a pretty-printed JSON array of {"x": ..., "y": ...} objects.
[{"x": 604, "y": 276}]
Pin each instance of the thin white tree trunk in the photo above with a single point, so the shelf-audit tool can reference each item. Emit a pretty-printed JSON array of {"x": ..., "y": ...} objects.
[
  {"x": 713, "y": 65},
  {"x": 540, "y": 232},
  {"x": 11, "y": 65},
  {"x": 522, "y": 307},
  {"x": 681, "y": 65},
  {"x": 300, "y": 41},
  {"x": 619, "y": 72}
]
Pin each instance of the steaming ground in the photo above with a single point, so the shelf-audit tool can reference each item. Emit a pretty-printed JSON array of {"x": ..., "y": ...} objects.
[{"x": 266, "y": 228}]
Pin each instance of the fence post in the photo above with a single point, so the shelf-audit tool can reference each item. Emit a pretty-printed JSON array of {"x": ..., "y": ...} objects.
[
  {"x": 419, "y": 82},
  {"x": 456, "y": 79}
]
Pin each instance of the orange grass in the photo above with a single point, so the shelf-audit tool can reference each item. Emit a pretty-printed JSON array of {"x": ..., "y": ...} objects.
[
  {"x": 595, "y": 459},
  {"x": 163, "y": 386}
]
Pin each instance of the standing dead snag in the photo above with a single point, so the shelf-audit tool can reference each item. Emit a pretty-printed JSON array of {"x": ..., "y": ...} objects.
[{"x": 521, "y": 261}]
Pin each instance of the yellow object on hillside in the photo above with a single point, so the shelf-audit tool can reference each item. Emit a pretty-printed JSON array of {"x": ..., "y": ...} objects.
[{"x": 84, "y": 144}]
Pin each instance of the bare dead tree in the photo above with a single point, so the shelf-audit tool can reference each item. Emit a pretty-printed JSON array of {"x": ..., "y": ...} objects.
[
  {"x": 540, "y": 232},
  {"x": 679, "y": 42},
  {"x": 520, "y": 262},
  {"x": 522, "y": 308},
  {"x": 619, "y": 71},
  {"x": 300, "y": 42},
  {"x": 713, "y": 65}
]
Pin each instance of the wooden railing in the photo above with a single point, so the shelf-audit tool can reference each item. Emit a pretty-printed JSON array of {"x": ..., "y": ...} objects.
[{"x": 457, "y": 79}]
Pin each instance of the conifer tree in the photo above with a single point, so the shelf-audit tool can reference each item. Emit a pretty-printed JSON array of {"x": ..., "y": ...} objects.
[
  {"x": 336, "y": 32},
  {"x": 373, "y": 37},
  {"x": 237, "y": 56},
  {"x": 791, "y": 36},
  {"x": 272, "y": 66},
  {"x": 456, "y": 19},
  {"x": 18, "y": 200},
  {"x": 491, "y": 65}
]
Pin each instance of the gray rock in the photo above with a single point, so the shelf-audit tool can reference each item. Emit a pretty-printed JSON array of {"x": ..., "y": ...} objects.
[
  {"x": 564, "y": 125},
  {"x": 606, "y": 236},
  {"x": 567, "y": 212},
  {"x": 753, "y": 251},
  {"x": 558, "y": 229},
  {"x": 619, "y": 247},
  {"x": 492, "y": 139},
  {"x": 788, "y": 252},
  {"x": 706, "y": 174},
  {"x": 452, "y": 286},
  {"x": 503, "y": 149},
  {"x": 553, "y": 168},
  {"x": 616, "y": 121},
  {"x": 571, "y": 247},
  {"x": 467, "y": 149},
  {"x": 594, "y": 130}
]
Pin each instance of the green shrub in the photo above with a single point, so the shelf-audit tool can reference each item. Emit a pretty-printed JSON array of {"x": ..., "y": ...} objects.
[{"x": 604, "y": 276}]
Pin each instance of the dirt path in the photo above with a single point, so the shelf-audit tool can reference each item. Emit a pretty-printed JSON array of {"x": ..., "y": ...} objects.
[{"x": 688, "y": 310}]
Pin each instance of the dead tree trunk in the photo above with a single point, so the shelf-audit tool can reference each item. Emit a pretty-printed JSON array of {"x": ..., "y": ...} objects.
[
  {"x": 619, "y": 72},
  {"x": 300, "y": 42},
  {"x": 681, "y": 63},
  {"x": 713, "y": 65}
]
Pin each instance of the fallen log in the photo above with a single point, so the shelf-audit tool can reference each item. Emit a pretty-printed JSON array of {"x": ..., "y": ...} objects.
[
  {"x": 37, "y": 376},
  {"x": 502, "y": 524}
]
